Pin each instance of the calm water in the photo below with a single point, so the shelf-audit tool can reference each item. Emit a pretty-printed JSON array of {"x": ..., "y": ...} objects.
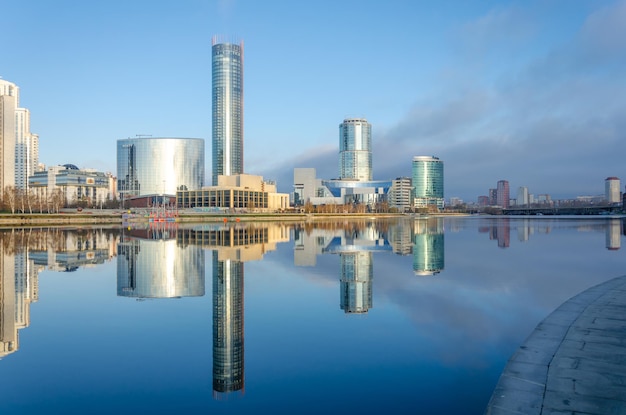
[{"x": 412, "y": 316}]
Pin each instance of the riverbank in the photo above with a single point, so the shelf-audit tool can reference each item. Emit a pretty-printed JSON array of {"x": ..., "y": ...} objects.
[{"x": 93, "y": 217}]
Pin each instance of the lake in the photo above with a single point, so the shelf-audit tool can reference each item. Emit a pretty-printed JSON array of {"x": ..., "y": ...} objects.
[{"x": 357, "y": 316}]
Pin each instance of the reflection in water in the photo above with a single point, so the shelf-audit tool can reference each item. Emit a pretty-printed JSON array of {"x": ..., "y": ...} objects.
[
  {"x": 169, "y": 262},
  {"x": 18, "y": 289},
  {"x": 25, "y": 252},
  {"x": 428, "y": 247},
  {"x": 158, "y": 267},
  {"x": 232, "y": 246},
  {"x": 228, "y": 364},
  {"x": 357, "y": 271},
  {"x": 613, "y": 234},
  {"x": 70, "y": 249}
]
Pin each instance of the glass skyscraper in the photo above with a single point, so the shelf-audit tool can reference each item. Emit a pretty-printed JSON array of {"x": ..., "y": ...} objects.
[
  {"x": 227, "y": 98},
  {"x": 427, "y": 181},
  {"x": 355, "y": 150}
]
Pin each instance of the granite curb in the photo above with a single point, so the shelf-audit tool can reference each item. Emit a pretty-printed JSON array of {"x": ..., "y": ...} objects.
[{"x": 574, "y": 362}]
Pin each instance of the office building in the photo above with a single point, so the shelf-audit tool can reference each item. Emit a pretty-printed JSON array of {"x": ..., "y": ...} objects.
[
  {"x": 241, "y": 192},
  {"x": 355, "y": 150},
  {"x": 19, "y": 147},
  {"x": 612, "y": 190},
  {"x": 502, "y": 194},
  {"x": 72, "y": 184},
  {"x": 304, "y": 185},
  {"x": 427, "y": 182},
  {"x": 354, "y": 189},
  {"x": 400, "y": 194},
  {"x": 227, "y": 109},
  {"x": 522, "y": 196},
  {"x": 148, "y": 166}
]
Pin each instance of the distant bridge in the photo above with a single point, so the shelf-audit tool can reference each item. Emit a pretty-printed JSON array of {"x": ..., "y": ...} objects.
[{"x": 573, "y": 210}]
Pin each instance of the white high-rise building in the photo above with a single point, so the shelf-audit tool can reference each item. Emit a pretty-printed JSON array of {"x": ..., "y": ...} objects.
[
  {"x": 522, "y": 196},
  {"x": 19, "y": 148},
  {"x": 612, "y": 190},
  {"x": 400, "y": 194}
]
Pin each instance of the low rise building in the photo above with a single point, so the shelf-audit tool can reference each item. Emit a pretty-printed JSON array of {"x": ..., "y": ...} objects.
[
  {"x": 72, "y": 184},
  {"x": 243, "y": 191}
]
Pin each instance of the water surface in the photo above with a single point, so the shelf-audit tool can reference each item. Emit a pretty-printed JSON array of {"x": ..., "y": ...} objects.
[{"x": 368, "y": 316}]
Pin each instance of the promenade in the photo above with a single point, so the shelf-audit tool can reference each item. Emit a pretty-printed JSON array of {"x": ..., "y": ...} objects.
[{"x": 574, "y": 362}]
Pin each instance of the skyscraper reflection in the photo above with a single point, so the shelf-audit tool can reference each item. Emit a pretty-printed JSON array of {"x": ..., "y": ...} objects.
[
  {"x": 19, "y": 286},
  {"x": 228, "y": 335},
  {"x": 232, "y": 245},
  {"x": 357, "y": 273},
  {"x": 428, "y": 246},
  {"x": 156, "y": 266},
  {"x": 355, "y": 243}
]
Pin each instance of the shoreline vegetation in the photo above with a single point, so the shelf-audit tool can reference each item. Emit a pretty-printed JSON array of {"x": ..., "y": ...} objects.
[{"x": 117, "y": 216}]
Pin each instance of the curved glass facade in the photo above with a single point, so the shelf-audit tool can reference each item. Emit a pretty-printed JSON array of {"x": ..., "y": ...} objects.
[
  {"x": 355, "y": 149},
  {"x": 428, "y": 246},
  {"x": 148, "y": 166},
  {"x": 428, "y": 180},
  {"x": 159, "y": 269},
  {"x": 227, "y": 143}
]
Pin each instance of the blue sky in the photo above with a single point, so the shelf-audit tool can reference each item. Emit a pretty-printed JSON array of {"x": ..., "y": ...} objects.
[{"x": 533, "y": 92}]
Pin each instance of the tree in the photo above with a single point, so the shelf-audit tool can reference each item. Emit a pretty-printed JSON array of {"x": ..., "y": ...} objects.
[
  {"x": 31, "y": 198},
  {"x": 57, "y": 200},
  {"x": 9, "y": 197}
]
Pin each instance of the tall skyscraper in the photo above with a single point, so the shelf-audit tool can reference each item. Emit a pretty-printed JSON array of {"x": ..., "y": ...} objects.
[
  {"x": 355, "y": 150},
  {"x": 19, "y": 148},
  {"x": 427, "y": 181},
  {"x": 502, "y": 194},
  {"x": 227, "y": 98}
]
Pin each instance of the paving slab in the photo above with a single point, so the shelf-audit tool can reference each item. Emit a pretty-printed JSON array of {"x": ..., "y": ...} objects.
[{"x": 574, "y": 362}]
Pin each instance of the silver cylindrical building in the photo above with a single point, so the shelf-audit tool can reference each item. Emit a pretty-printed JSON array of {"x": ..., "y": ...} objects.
[{"x": 158, "y": 166}]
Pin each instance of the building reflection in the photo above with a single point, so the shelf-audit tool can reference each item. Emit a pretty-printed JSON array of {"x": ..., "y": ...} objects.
[
  {"x": 24, "y": 253},
  {"x": 498, "y": 230},
  {"x": 428, "y": 246},
  {"x": 228, "y": 318},
  {"x": 614, "y": 234},
  {"x": 355, "y": 244},
  {"x": 18, "y": 290},
  {"x": 152, "y": 264},
  {"x": 233, "y": 244},
  {"x": 65, "y": 250}
]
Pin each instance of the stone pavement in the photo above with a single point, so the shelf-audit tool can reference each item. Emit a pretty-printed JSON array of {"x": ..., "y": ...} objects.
[{"x": 574, "y": 362}]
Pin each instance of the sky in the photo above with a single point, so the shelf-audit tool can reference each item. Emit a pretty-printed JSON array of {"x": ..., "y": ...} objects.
[{"x": 533, "y": 92}]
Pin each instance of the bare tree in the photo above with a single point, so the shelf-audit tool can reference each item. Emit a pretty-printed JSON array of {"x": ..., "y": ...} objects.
[
  {"x": 57, "y": 200},
  {"x": 9, "y": 197},
  {"x": 40, "y": 199},
  {"x": 31, "y": 198}
]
